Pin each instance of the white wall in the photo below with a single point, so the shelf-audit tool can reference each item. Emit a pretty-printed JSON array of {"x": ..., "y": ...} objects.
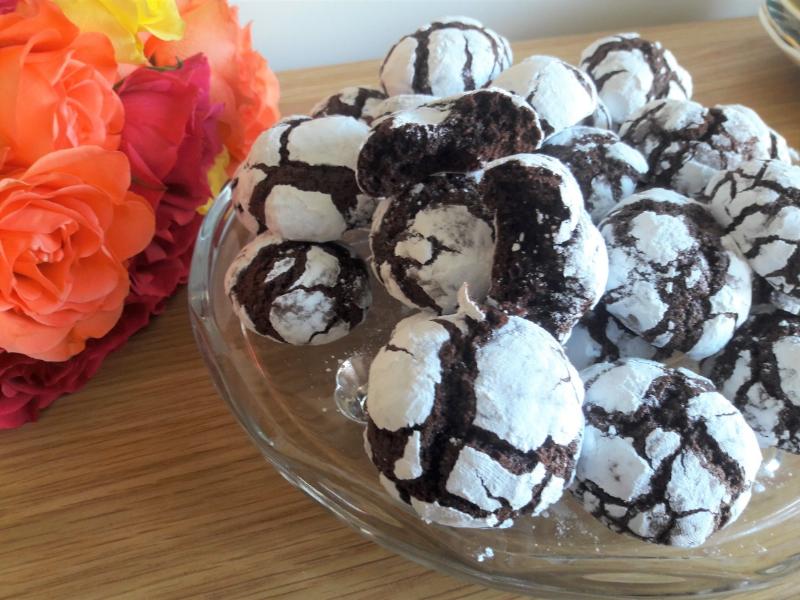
[{"x": 294, "y": 34}]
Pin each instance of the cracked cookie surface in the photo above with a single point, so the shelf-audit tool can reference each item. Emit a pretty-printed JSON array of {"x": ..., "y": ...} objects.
[
  {"x": 758, "y": 204},
  {"x": 298, "y": 292},
  {"x": 666, "y": 458},
  {"x": 674, "y": 279},
  {"x": 456, "y": 435},
  {"x": 299, "y": 180}
]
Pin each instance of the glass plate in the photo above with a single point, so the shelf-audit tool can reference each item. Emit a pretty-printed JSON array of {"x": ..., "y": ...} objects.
[{"x": 283, "y": 396}]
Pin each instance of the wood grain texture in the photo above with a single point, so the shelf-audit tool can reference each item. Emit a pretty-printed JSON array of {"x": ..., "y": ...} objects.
[{"x": 143, "y": 486}]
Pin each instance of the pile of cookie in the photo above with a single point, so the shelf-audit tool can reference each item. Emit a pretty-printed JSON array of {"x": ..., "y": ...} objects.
[{"x": 563, "y": 232}]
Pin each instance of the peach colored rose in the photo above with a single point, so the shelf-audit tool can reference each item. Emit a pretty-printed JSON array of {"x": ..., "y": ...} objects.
[
  {"x": 241, "y": 80},
  {"x": 56, "y": 91},
  {"x": 68, "y": 224}
]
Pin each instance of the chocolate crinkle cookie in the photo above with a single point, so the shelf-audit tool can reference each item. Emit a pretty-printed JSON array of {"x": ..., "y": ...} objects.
[
  {"x": 665, "y": 458},
  {"x": 298, "y": 292},
  {"x": 430, "y": 239},
  {"x": 686, "y": 144},
  {"x": 760, "y": 372},
  {"x": 630, "y": 71},
  {"x": 359, "y": 102},
  {"x": 561, "y": 94},
  {"x": 674, "y": 278},
  {"x": 299, "y": 180},
  {"x": 600, "y": 337},
  {"x": 474, "y": 418},
  {"x": 550, "y": 263},
  {"x": 394, "y": 104},
  {"x": 447, "y": 56},
  {"x": 758, "y": 204},
  {"x": 460, "y": 133},
  {"x": 606, "y": 168}
]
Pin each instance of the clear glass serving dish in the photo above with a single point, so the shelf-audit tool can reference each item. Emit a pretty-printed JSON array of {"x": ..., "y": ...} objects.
[{"x": 286, "y": 399}]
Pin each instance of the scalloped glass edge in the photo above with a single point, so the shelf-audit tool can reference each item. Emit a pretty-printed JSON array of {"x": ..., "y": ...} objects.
[{"x": 211, "y": 344}]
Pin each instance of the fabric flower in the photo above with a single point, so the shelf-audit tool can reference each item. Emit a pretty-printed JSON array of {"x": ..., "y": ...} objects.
[
  {"x": 56, "y": 86},
  {"x": 124, "y": 20},
  {"x": 28, "y": 386},
  {"x": 67, "y": 227},
  {"x": 171, "y": 139},
  {"x": 241, "y": 80}
]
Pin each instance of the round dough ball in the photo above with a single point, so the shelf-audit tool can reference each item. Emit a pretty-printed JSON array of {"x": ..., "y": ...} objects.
[
  {"x": 758, "y": 204},
  {"x": 299, "y": 180},
  {"x": 686, "y": 144},
  {"x": 298, "y": 292},
  {"x": 630, "y": 71},
  {"x": 759, "y": 371},
  {"x": 456, "y": 134},
  {"x": 606, "y": 168},
  {"x": 562, "y": 95},
  {"x": 448, "y": 56},
  {"x": 666, "y": 458},
  {"x": 474, "y": 418},
  {"x": 359, "y": 102},
  {"x": 600, "y": 118},
  {"x": 674, "y": 279},
  {"x": 429, "y": 240}
]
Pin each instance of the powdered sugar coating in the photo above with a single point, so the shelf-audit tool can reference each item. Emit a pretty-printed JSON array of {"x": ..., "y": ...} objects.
[
  {"x": 560, "y": 93},
  {"x": 359, "y": 102},
  {"x": 606, "y": 168},
  {"x": 674, "y": 278},
  {"x": 760, "y": 372},
  {"x": 759, "y": 205},
  {"x": 448, "y": 56},
  {"x": 666, "y": 458},
  {"x": 686, "y": 144},
  {"x": 630, "y": 72},
  {"x": 394, "y": 104},
  {"x": 491, "y": 447},
  {"x": 430, "y": 240},
  {"x": 298, "y": 293},
  {"x": 299, "y": 180},
  {"x": 600, "y": 337}
]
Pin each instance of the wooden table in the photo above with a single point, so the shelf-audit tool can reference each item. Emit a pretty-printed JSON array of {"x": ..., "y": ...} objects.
[{"x": 143, "y": 486}]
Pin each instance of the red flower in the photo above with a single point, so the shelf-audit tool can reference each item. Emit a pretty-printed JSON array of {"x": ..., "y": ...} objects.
[
  {"x": 171, "y": 139},
  {"x": 28, "y": 386}
]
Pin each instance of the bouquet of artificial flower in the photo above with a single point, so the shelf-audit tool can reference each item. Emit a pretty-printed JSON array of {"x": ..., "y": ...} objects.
[{"x": 119, "y": 119}]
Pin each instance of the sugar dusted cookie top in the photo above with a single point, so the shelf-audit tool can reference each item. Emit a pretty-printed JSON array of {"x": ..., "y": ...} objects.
[
  {"x": 447, "y": 56},
  {"x": 299, "y": 180},
  {"x": 666, "y": 458},
  {"x": 758, "y": 203},
  {"x": 686, "y": 144},
  {"x": 630, "y": 71},
  {"x": 606, "y": 168},
  {"x": 474, "y": 418},
  {"x": 359, "y": 102},
  {"x": 298, "y": 292},
  {"x": 561, "y": 94},
  {"x": 760, "y": 372},
  {"x": 674, "y": 279}
]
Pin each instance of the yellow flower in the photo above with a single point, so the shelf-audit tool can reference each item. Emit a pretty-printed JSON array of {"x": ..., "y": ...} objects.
[
  {"x": 217, "y": 178},
  {"x": 123, "y": 20}
]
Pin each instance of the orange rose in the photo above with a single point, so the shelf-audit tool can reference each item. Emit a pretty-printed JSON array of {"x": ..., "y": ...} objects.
[
  {"x": 67, "y": 226},
  {"x": 241, "y": 80},
  {"x": 56, "y": 88}
]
